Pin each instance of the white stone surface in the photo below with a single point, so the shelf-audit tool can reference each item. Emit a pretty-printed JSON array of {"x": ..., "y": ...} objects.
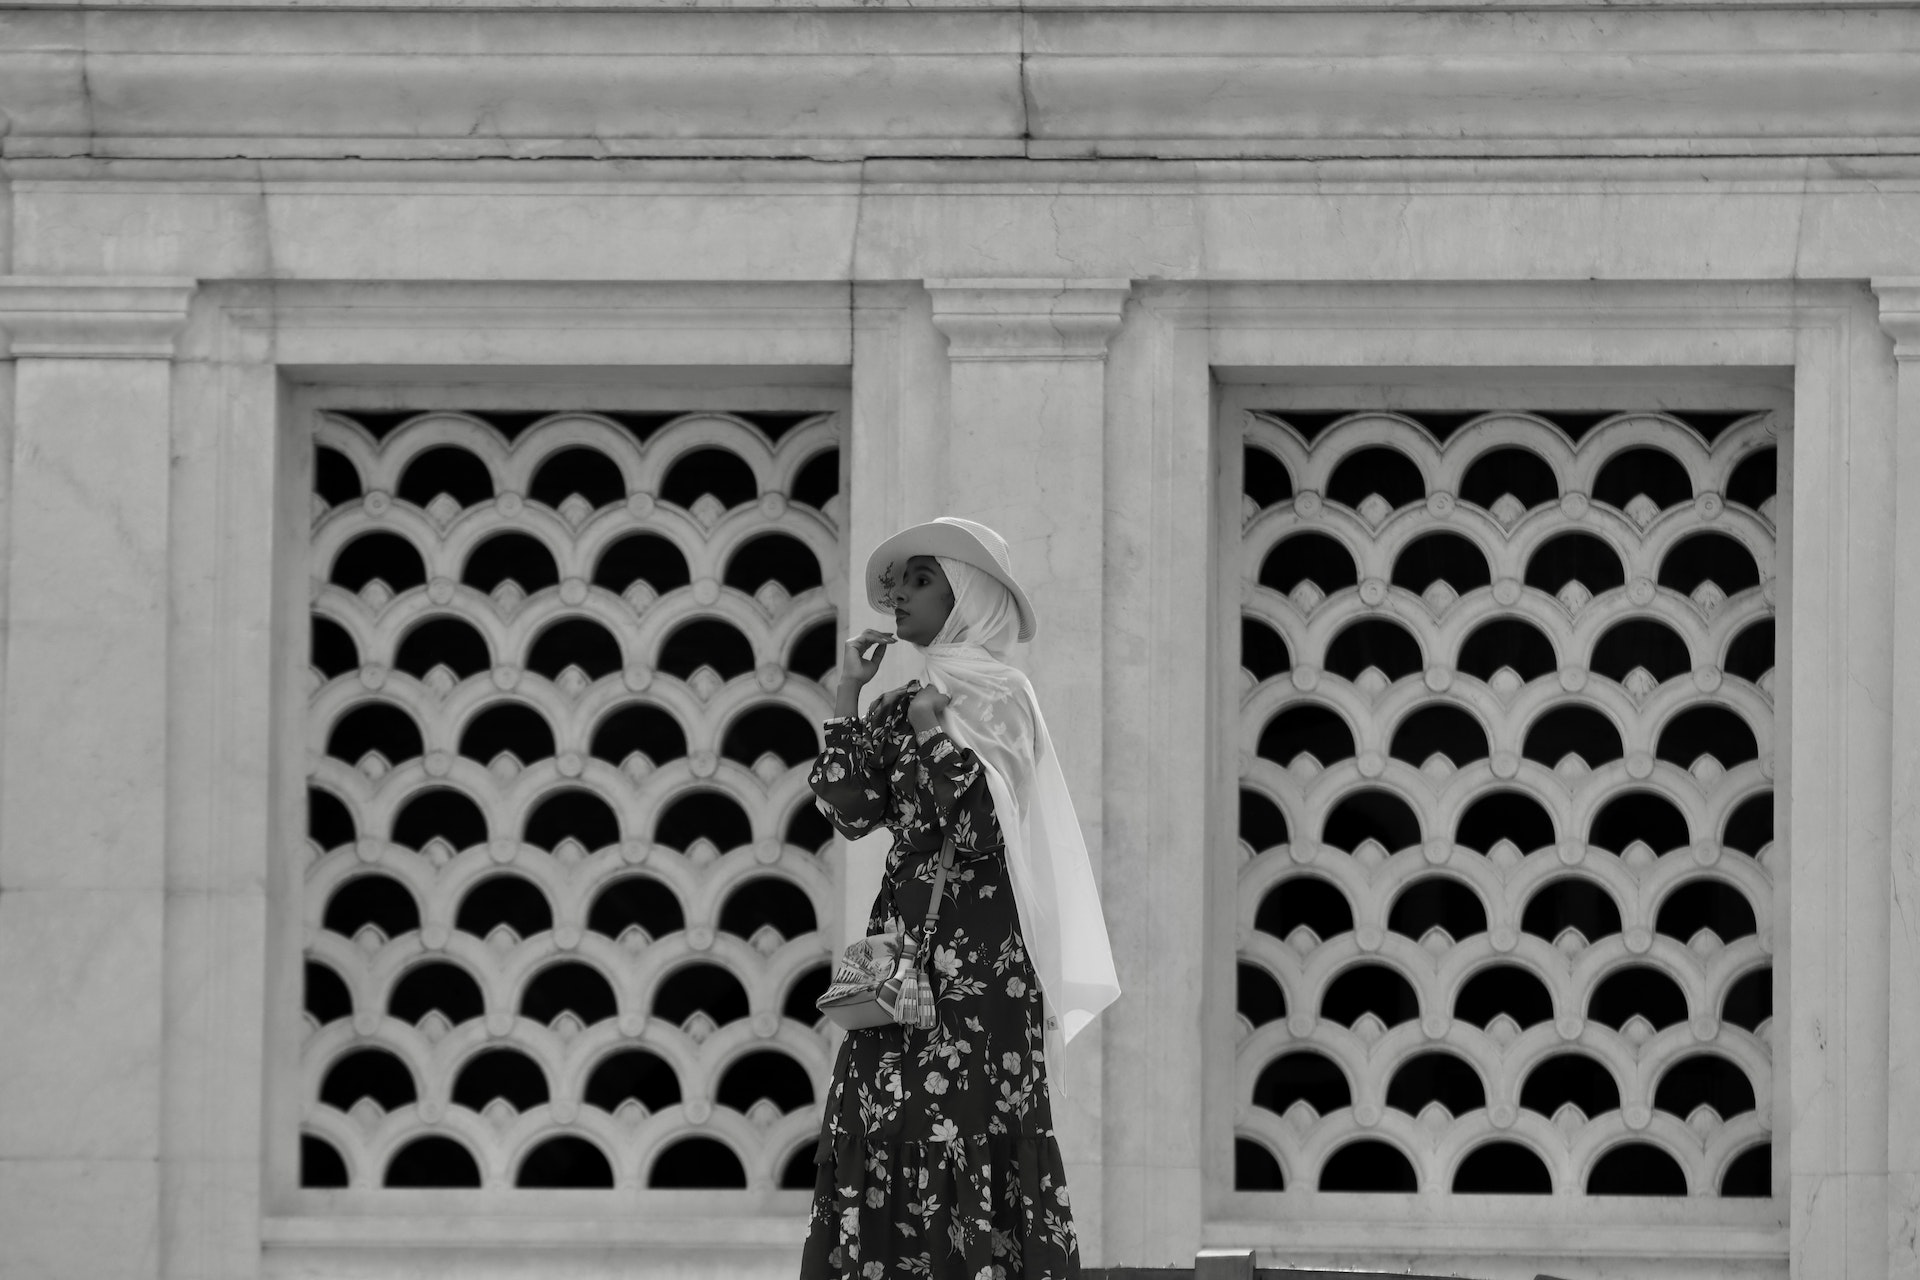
[
  {"x": 525, "y": 198},
  {"x": 81, "y": 1217},
  {"x": 1728, "y": 219},
  {"x": 83, "y": 768},
  {"x": 1161, "y": 810},
  {"x": 1024, "y": 453},
  {"x": 92, "y": 1063},
  {"x": 87, "y": 622},
  {"x": 1900, "y": 315}
]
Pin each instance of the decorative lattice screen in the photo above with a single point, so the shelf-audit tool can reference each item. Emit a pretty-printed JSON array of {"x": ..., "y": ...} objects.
[
  {"x": 564, "y": 903},
  {"x": 1506, "y": 812}
]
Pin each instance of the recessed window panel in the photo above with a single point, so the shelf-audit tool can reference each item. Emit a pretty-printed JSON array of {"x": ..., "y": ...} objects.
[
  {"x": 1506, "y": 795},
  {"x": 559, "y": 880}
]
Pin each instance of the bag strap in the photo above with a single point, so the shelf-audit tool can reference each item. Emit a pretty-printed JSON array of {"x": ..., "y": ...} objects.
[{"x": 939, "y": 888}]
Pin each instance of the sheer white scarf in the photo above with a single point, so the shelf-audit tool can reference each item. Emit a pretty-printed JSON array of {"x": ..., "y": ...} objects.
[{"x": 994, "y": 712}]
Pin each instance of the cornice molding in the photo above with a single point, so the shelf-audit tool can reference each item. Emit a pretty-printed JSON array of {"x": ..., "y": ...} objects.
[
  {"x": 1900, "y": 313},
  {"x": 1034, "y": 319},
  {"x": 934, "y": 6},
  {"x": 1260, "y": 82},
  {"x": 92, "y": 317}
]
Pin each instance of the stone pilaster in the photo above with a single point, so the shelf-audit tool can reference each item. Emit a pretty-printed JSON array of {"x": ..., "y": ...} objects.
[
  {"x": 1025, "y": 453},
  {"x": 83, "y": 769},
  {"x": 1900, "y": 317}
]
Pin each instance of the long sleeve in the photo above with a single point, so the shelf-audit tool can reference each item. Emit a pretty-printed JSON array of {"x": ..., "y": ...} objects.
[
  {"x": 929, "y": 783},
  {"x": 850, "y": 778}
]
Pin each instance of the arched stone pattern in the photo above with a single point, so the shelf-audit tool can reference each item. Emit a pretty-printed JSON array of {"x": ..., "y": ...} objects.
[
  {"x": 1507, "y": 860},
  {"x": 567, "y": 901}
]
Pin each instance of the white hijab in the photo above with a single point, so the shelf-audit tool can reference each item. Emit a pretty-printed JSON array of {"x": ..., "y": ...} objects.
[{"x": 994, "y": 712}]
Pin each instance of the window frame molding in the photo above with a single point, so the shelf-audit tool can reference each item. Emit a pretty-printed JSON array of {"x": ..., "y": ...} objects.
[
  {"x": 288, "y": 912},
  {"x": 255, "y": 363},
  {"x": 1830, "y": 1085},
  {"x": 1580, "y": 1223}
]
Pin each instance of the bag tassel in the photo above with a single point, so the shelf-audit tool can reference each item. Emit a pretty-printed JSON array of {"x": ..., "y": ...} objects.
[{"x": 914, "y": 1007}]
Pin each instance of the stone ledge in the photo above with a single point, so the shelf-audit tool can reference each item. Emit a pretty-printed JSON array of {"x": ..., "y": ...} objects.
[
  {"x": 1027, "y": 319},
  {"x": 1254, "y": 82},
  {"x": 923, "y": 6},
  {"x": 92, "y": 317}
]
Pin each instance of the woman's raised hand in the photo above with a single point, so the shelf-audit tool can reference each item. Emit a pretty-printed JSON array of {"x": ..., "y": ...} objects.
[
  {"x": 860, "y": 660},
  {"x": 926, "y": 707},
  {"x": 884, "y": 703}
]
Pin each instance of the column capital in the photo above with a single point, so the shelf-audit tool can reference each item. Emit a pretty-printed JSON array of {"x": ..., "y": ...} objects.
[
  {"x": 93, "y": 317},
  {"x": 1900, "y": 313},
  {"x": 1028, "y": 319}
]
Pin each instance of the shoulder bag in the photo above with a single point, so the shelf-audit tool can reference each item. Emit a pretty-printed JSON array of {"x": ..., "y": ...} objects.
[{"x": 882, "y": 979}]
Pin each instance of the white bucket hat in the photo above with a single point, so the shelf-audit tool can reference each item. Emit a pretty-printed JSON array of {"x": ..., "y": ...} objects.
[{"x": 967, "y": 541}]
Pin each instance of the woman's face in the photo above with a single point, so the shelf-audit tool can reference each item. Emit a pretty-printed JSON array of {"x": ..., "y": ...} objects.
[{"x": 921, "y": 598}]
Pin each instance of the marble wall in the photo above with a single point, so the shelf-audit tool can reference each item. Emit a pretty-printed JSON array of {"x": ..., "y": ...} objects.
[{"x": 1039, "y": 250}]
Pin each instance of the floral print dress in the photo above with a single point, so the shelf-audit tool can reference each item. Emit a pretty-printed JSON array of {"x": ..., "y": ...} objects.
[{"x": 937, "y": 1156}]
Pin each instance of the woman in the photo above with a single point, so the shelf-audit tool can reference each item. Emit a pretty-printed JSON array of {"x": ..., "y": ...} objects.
[{"x": 937, "y": 1157}]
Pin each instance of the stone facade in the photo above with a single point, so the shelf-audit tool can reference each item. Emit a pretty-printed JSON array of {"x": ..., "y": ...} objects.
[{"x": 359, "y": 792}]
